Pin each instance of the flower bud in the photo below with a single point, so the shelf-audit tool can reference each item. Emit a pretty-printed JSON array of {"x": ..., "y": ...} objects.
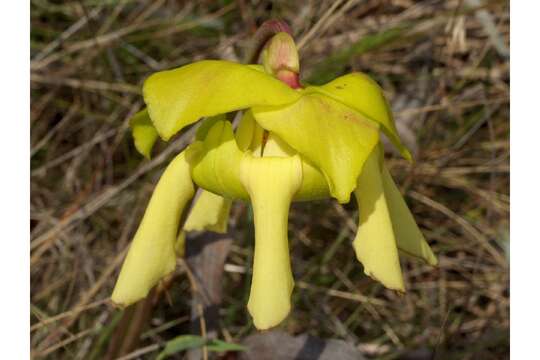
[{"x": 280, "y": 58}]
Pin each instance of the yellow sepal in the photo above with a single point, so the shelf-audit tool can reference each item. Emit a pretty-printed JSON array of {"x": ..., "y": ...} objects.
[
  {"x": 358, "y": 91},
  {"x": 179, "y": 97}
]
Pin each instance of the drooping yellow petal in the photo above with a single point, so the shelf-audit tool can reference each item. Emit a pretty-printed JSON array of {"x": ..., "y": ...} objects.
[
  {"x": 144, "y": 133},
  {"x": 271, "y": 183},
  {"x": 410, "y": 239},
  {"x": 375, "y": 244},
  {"x": 152, "y": 252},
  {"x": 179, "y": 97},
  {"x": 210, "y": 212},
  {"x": 332, "y": 136},
  {"x": 358, "y": 91}
]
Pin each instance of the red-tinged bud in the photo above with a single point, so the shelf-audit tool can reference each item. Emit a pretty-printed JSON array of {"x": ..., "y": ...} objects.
[{"x": 280, "y": 58}]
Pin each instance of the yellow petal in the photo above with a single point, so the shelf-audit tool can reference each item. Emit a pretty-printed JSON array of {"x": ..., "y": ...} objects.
[
  {"x": 271, "y": 184},
  {"x": 152, "y": 252},
  {"x": 409, "y": 238},
  {"x": 332, "y": 136},
  {"x": 360, "y": 92},
  {"x": 375, "y": 244},
  {"x": 144, "y": 133},
  {"x": 210, "y": 212},
  {"x": 179, "y": 97}
]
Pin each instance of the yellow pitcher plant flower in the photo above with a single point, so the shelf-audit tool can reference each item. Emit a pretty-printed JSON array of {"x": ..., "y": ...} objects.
[{"x": 293, "y": 143}]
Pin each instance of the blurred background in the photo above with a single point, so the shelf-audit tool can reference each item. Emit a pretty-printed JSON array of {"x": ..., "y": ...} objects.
[{"x": 444, "y": 66}]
